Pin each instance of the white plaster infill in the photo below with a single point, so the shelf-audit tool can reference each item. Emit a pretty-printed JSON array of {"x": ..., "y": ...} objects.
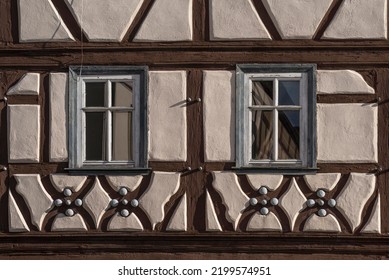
[
  {"x": 24, "y": 133},
  {"x": 235, "y": 20},
  {"x": 162, "y": 187},
  {"x": 167, "y": 116},
  {"x": 58, "y": 118},
  {"x": 347, "y": 133},
  {"x": 179, "y": 222},
  {"x": 38, "y": 201},
  {"x": 270, "y": 181},
  {"x": 342, "y": 82},
  {"x": 96, "y": 202},
  {"x": 104, "y": 20},
  {"x": 267, "y": 222},
  {"x": 211, "y": 220},
  {"x": 27, "y": 85},
  {"x": 65, "y": 223},
  {"x": 235, "y": 200},
  {"x": 325, "y": 181},
  {"x": 62, "y": 181},
  {"x": 322, "y": 224},
  {"x": 357, "y": 191},
  {"x": 39, "y": 21},
  {"x": 16, "y": 221},
  {"x": 219, "y": 115},
  {"x": 292, "y": 202},
  {"x": 168, "y": 20},
  {"x": 297, "y": 19},
  {"x": 120, "y": 223},
  {"x": 129, "y": 182},
  {"x": 359, "y": 19},
  {"x": 373, "y": 225}
]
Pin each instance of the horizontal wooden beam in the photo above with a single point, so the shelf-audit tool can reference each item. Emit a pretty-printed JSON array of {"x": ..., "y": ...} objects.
[
  {"x": 81, "y": 245},
  {"x": 188, "y": 58}
]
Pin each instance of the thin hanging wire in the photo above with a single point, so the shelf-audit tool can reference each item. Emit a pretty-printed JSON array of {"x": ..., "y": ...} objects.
[{"x": 82, "y": 37}]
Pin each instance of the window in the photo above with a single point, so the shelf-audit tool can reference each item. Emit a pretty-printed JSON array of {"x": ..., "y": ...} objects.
[
  {"x": 276, "y": 117},
  {"x": 108, "y": 118}
]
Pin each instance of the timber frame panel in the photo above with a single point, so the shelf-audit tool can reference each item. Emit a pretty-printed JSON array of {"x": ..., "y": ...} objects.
[{"x": 367, "y": 57}]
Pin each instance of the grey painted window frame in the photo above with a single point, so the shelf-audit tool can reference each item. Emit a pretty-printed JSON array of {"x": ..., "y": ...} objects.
[
  {"x": 77, "y": 75},
  {"x": 307, "y": 165}
]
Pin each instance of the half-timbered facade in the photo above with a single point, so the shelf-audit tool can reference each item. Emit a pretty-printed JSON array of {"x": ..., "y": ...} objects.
[{"x": 194, "y": 128}]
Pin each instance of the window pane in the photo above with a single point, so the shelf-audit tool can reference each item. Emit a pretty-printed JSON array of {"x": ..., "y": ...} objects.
[
  {"x": 262, "y": 131},
  {"x": 262, "y": 93},
  {"x": 122, "y": 94},
  {"x": 95, "y": 136},
  {"x": 122, "y": 136},
  {"x": 289, "y": 135},
  {"x": 289, "y": 93},
  {"x": 95, "y": 94}
]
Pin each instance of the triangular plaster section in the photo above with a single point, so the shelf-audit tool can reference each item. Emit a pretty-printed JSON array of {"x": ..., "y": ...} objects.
[
  {"x": 130, "y": 182},
  {"x": 322, "y": 224},
  {"x": 104, "y": 20},
  {"x": 211, "y": 222},
  {"x": 120, "y": 223},
  {"x": 62, "y": 181},
  {"x": 342, "y": 82},
  {"x": 297, "y": 19},
  {"x": 65, "y": 223},
  {"x": 178, "y": 222},
  {"x": 162, "y": 187},
  {"x": 235, "y": 20},
  {"x": 373, "y": 225},
  {"x": 272, "y": 182},
  {"x": 40, "y": 22},
  {"x": 27, "y": 85},
  {"x": 168, "y": 20},
  {"x": 325, "y": 181},
  {"x": 235, "y": 200},
  {"x": 359, "y": 19},
  {"x": 38, "y": 200},
  {"x": 292, "y": 202},
  {"x": 267, "y": 222},
  {"x": 16, "y": 221},
  {"x": 96, "y": 202},
  {"x": 354, "y": 196}
]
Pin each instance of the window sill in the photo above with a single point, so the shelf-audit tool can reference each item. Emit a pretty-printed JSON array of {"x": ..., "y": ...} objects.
[
  {"x": 276, "y": 170},
  {"x": 108, "y": 171}
]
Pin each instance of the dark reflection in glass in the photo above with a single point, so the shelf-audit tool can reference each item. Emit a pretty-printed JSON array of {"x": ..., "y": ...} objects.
[
  {"x": 95, "y": 136},
  {"x": 289, "y": 93},
  {"x": 122, "y": 94},
  {"x": 95, "y": 93},
  {"x": 262, "y": 134},
  {"x": 262, "y": 93},
  {"x": 122, "y": 136},
  {"x": 289, "y": 135}
]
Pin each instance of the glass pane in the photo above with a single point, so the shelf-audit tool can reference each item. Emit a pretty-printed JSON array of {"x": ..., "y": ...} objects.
[
  {"x": 262, "y": 93},
  {"x": 262, "y": 130},
  {"x": 289, "y": 93},
  {"x": 122, "y": 94},
  {"x": 95, "y": 136},
  {"x": 122, "y": 136},
  {"x": 95, "y": 94},
  {"x": 289, "y": 135}
]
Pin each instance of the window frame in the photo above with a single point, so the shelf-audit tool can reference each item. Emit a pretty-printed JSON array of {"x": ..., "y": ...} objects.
[
  {"x": 245, "y": 75},
  {"x": 77, "y": 77}
]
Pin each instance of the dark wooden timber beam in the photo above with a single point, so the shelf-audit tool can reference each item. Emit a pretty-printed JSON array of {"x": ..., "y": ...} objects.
[{"x": 192, "y": 58}]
